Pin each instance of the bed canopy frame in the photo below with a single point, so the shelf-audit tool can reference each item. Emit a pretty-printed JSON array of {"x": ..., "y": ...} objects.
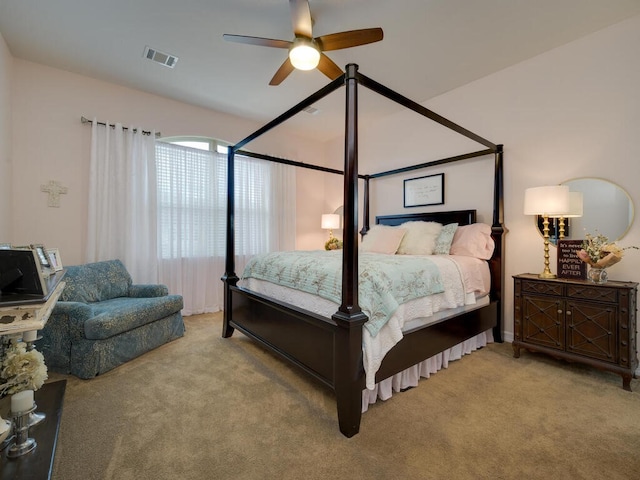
[{"x": 330, "y": 349}]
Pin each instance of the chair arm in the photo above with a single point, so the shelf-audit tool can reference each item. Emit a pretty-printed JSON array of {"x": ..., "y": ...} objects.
[
  {"x": 71, "y": 315},
  {"x": 73, "y": 309},
  {"x": 148, "y": 290}
]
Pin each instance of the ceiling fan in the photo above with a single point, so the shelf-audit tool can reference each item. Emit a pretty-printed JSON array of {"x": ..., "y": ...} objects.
[{"x": 305, "y": 51}]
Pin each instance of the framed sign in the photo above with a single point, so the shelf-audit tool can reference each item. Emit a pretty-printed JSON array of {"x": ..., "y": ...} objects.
[
  {"x": 569, "y": 265},
  {"x": 422, "y": 191}
]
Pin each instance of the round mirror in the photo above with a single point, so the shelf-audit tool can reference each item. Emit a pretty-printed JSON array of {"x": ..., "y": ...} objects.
[{"x": 607, "y": 209}]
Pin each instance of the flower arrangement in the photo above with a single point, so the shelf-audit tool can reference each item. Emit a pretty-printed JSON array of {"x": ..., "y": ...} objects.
[
  {"x": 21, "y": 369},
  {"x": 598, "y": 252},
  {"x": 333, "y": 244}
]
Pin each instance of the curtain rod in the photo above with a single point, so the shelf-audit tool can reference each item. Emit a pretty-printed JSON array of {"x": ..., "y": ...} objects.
[{"x": 144, "y": 132}]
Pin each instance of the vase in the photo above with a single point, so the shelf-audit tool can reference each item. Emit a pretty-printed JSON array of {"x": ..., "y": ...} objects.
[{"x": 597, "y": 275}]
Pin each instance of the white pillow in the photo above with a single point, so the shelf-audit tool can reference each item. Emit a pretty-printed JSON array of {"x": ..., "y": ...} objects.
[
  {"x": 382, "y": 239},
  {"x": 420, "y": 238}
]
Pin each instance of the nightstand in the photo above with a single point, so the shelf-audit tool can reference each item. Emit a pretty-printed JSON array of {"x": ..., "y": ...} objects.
[{"x": 578, "y": 321}]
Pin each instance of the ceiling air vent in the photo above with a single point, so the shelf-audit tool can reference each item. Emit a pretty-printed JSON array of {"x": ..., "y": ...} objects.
[{"x": 160, "y": 57}]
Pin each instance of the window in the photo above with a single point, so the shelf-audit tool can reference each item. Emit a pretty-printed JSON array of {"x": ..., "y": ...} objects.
[{"x": 192, "y": 201}]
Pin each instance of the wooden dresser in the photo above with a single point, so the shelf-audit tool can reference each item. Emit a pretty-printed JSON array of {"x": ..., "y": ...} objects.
[{"x": 578, "y": 321}]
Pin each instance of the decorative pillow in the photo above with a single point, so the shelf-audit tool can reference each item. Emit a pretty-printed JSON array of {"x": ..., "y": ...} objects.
[
  {"x": 420, "y": 238},
  {"x": 443, "y": 242},
  {"x": 473, "y": 241},
  {"x": 382, "y": 239}
]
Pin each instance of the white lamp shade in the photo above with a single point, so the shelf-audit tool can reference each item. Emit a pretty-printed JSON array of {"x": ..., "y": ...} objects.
[
  {"x": 304, "y": 55},
  {"x": 330, "y": 221},
  {"x": 548, "y": 201},
  {"x": 575, "y": 205}
]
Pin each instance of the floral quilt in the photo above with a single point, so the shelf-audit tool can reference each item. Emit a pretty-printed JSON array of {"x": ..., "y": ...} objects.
[{"x": 385, "y": 281}]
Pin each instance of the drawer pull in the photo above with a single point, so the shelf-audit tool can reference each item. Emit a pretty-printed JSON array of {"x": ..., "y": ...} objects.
[
  {"x": 559, "y": 312},
  {"x": 568, "y": 312}
]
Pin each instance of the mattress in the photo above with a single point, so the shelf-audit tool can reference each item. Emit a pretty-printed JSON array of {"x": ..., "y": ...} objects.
[{"x": 466, "y": 286}]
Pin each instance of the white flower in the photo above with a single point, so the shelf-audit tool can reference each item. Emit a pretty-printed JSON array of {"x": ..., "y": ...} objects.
[{"x": 21, "y": 369}]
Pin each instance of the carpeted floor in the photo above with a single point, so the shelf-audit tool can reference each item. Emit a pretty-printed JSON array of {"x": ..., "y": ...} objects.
[{"x": 204, "y": 407}]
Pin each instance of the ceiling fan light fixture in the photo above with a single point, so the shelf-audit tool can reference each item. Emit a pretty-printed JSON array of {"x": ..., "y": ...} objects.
[{"x": 304, "y": 54}]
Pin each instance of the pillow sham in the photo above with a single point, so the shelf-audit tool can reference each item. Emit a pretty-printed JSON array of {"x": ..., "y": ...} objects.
[
  {"x": 473, "y": 241},
  {"x": 420, "y": 238},
  {"x": 444, "y": 240},
  {"x": 382, "y": 239}
]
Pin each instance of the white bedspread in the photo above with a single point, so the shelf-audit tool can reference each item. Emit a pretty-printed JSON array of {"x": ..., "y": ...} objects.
[{"x": 465, "y": 279}]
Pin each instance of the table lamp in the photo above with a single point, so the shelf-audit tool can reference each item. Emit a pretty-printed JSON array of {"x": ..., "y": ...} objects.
[
  {"x": 329, "y": 222},
  {"x": 546, "y": 201},
  {"x": 575, "y": 210}
]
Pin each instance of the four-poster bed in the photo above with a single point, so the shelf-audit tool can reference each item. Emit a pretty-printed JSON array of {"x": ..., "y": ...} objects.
[{"x": 330, "y": 348}]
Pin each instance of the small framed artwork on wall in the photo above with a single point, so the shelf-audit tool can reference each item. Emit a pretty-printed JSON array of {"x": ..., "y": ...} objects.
[{"x": 423, "y": 191}]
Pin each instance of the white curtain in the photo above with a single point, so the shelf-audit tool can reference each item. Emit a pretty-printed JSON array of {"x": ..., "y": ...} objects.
[
  {"x": 192, "y": 201},
  {"x": 122, "y": 200}
]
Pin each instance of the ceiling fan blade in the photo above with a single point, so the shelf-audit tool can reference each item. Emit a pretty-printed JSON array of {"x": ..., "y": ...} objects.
[
  {"x": 352, "y": 38},
  {"x": 283, "y": 72},
  {"x": 301, "y": 18},
  {"x": 263, "y": 42},
  {"x": 328, "y": 67}
]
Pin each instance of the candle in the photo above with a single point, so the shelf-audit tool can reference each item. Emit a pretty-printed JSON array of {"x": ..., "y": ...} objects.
[
  {"x": 30, "y": 336},
  {"x": 22, "y": 401}
]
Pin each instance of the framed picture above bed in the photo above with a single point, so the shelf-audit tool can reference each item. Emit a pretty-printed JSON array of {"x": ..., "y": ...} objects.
[{"x": 423, "y": 191}]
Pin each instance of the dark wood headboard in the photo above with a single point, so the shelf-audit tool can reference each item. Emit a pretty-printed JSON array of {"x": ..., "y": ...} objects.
[{"x": 461, "y": 217}]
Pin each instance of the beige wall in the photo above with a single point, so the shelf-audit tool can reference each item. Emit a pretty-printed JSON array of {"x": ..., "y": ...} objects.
[
  {"x": 50, "y": 143},
  {"x": 6, "y": 62},
  {"x": 571, "y": 112}
]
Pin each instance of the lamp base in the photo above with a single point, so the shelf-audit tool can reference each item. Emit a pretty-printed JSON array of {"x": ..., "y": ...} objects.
[{"x": 547, "y": 275}]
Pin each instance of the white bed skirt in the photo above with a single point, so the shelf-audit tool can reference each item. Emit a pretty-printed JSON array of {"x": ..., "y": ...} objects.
[{"x": 411, "y": 376}]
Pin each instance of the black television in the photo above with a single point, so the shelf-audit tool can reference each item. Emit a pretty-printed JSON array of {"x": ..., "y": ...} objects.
[{"x": 20, "y": 273}]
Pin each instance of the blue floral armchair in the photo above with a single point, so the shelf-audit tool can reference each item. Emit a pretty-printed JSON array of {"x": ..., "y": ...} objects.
[{"x": 103, "y": 320}]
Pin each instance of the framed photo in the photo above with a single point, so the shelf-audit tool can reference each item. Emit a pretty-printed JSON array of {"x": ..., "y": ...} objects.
[
  {"x": 422, "y": 191},
  {"x": 54, "y": 257},
  {"x": 43, "y": 256}
]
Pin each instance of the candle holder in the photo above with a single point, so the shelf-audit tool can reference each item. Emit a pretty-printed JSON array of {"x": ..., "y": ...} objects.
[
  {"x": 22, "y": 443},
  {"x": 35, "y": 418}
]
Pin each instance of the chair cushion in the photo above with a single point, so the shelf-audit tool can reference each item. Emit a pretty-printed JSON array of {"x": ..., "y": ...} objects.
[
  {"x": 123, "y": 314},
  {"x": 95, "y": 282}
]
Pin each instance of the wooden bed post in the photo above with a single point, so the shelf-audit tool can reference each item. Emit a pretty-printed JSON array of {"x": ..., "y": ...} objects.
[
  {"x": 365, "y": 213},
  {"x": 348, "y": 373},
  {"x": 496, "y": 263},
  {"x": 229, "y": 278}
]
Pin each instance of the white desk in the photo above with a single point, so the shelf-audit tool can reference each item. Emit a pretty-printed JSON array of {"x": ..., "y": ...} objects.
[{"x": 23, "y": 313}]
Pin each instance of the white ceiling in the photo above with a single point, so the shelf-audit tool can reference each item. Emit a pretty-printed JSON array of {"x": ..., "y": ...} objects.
[{"x": 429, "y": 46}]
